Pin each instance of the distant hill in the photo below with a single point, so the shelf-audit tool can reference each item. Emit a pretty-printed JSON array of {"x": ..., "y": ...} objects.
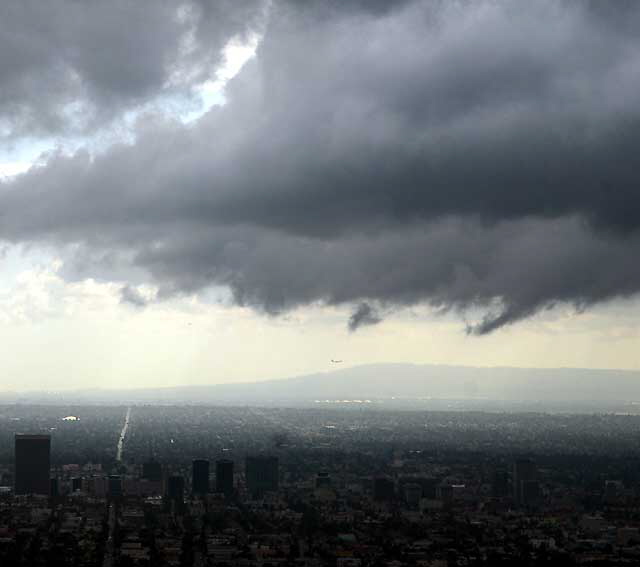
[{"x": 386, "y": 381}]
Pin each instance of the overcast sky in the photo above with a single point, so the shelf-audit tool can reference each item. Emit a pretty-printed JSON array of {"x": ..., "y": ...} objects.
[{"x": 213, "y": 191}]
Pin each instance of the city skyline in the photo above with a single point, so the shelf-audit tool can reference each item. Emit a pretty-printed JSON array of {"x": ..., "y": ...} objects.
[{"x": 134, "y": 486}]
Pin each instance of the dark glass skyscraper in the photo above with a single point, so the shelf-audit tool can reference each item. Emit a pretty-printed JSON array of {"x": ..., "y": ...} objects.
[
  {"x": 115, "y": 486},
  {"x": 33, "y": 457},
  {"x": 175, "y": 488},
  {"x": 224, "y": 476},
  {"x": 200, "y": 479},
  {"x": 262, "y": 474}
]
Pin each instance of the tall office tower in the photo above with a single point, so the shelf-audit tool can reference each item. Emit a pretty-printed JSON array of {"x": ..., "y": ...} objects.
[
  {"x": 175, "y": 489},
  {"x": 200, "y": 478},
  {"x": 33, "y": 457},
  {"x": 152, "y": 470},
  {"x": 224, "y": 476},
  {"x": 114, "y": 486},
  {"x": 262, "y": 474},
  {"x": 524, "y": 471}
]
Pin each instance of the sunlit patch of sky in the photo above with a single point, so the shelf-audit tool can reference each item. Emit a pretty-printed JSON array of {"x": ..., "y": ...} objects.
[
  {"x": 211, "y": 92},
  {"x": 18, "y": 156},
  {"x": 9, "y": 169}
]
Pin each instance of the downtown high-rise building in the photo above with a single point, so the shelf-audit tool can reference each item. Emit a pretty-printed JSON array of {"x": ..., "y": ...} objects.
[
  {"x": 175, "y": 489},
  {"x": 200, "y": 477},
  {"x": 32, "y": 464},
  {"x": 114, "y": 486},
  {"x": 224, "y": 476},
  {"x": 262, "y": 474}
]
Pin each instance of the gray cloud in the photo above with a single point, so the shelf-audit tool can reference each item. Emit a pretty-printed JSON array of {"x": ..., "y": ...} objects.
[
  {"x": 459, "y": 154},
  {"x": 67, "y": 66},
  {"x": 130, "y": 295},
  {"x": 508, "y": 270},
  {"x": 363, "y": 315}
]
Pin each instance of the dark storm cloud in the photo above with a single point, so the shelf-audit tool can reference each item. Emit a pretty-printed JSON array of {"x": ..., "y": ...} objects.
[
  {"x": 463, "y": 154},
  {"x": 509, "y": 270},
  {"x": 363, "y": 315},
  {"x": 67, "y": 65}
]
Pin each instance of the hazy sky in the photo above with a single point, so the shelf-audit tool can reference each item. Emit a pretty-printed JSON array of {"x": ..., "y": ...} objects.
[{"x": 209, "y": 191}]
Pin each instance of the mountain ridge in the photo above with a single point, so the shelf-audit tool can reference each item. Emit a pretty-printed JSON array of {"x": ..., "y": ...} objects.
[{"x": 390, "y": 380}]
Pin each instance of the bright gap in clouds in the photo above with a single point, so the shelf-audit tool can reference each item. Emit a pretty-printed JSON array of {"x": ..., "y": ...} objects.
[
  {"x": 19, "y": 158},
  {"x": 11, "y": 168},
  {"x": 211, "y": 92}
]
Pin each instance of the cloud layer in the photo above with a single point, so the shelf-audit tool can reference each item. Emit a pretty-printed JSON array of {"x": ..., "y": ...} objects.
[
  {"x": 459, "y": 154},
  {"x": 69, "y": 66}
]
